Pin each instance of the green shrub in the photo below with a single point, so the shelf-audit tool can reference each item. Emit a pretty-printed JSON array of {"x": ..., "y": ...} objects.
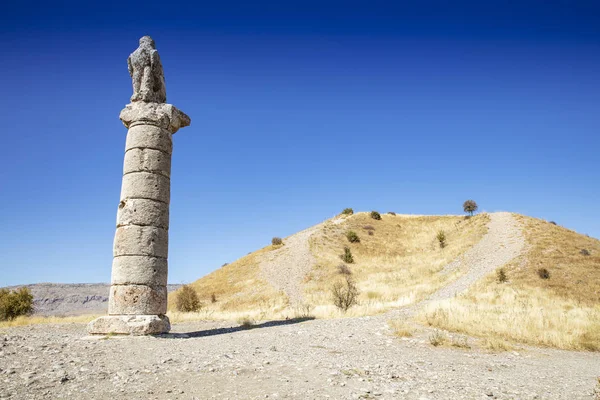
[
  {"x": 344, "y": 293},
  {"x": 352, "y": 237},
  {"x": 348, "y": 211},
  {"x": 441, "y": 237},
  {"x": 277, "y": 241},
  {"x": 375, "y": 215},
  {"x": 16, "y": 303},
  {"x": 470, "y": 206},
  {"x": 501, "y": 276},
  {"x": 347, "y": 256},
  {"x": 543, "y": 273},
  {"x": 187, "y": 300}
]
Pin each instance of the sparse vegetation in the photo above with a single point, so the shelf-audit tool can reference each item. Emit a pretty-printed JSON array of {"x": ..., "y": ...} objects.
[
  {"x": 438, "y": 338},
  {"x": 401, "y": 328},
  {"x": 344, "y": 293},
  {"x": 560, "y": 312},
  {"x": 375, "y": 215},
  {"x": 343, "y": 269},
  {"x": 246, "y": 323},
  {"x": 15, "y": 303},
  {"x": 553, "y": 223},
  {"x": 441, "y": 237},
  {"x": 352, "y": 237},
  {"x": 584, "y": 252},
  {"x": 501, "y": 276},
  {"x": 277, "y": 241},
  {"x": 213, "y": 298},
  {"x": 543, "y": 273},
  {"x": 391, "y": 213},
  {"x": 348, "y": 211},
  {"x": 187, "y": 299},
  {"x": 470, "y": 206},
  {"x": 347, "y": 257}
]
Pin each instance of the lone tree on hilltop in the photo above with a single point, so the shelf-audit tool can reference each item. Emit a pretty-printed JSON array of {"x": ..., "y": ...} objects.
[{"x": 470, "y": 206}]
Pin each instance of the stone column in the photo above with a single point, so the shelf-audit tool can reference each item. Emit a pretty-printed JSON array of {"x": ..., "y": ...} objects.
[{"x": 138, "y": 293}]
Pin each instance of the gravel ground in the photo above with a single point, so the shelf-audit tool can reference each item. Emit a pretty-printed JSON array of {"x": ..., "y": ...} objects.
[
  {"x": 318, "y": 359},
  {"x": 354, "y": 358},
  {"x": 286, "y": 267}
]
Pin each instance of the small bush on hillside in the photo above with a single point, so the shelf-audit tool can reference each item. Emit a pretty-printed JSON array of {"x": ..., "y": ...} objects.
[
  {"x": 437, "y": 338},
  {"x": 344, "y": 269},
  {"x": 441, "y": 237},
  {"x": 553, "y": 223},
  {"x": 16, "y": 303},
  {"x": 369, "y": 228},
  {"x": 187, "y": 300},
  {"x": 584, "y": 252},
  {"x": 391, "y": 213},
  {"x": 375, "y": 215},
  {"x": 213, "y": 298},
  {"x": 352, "y": 237},
  {"x": 246, "y": 323},
  {"x": 344, "y": 294},
  {"x": 277, "y": 241},
  {"x": 543, "y": 273},
  {"x": 501, "y": 276},
  {"x": 470, "y": 206},
  {"x": 370, "y": 233},
  {"x": 347, "y": 256},
  {"x": 348, "y": 211}
]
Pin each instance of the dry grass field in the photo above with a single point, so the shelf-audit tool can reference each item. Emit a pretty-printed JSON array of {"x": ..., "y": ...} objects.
[
  {"x": 550, "y": 298},
  {"x": 397, "y": 261}
]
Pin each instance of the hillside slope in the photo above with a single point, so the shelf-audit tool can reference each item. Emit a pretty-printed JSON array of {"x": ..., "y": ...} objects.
[{"x": 397, "y": 261}]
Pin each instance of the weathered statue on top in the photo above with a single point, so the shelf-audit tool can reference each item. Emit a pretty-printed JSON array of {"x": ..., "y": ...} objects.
[{"x": 147, "y": 73}]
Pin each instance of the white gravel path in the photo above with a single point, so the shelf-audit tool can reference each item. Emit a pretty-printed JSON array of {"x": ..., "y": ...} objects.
[{"x": 286, "y": 267}]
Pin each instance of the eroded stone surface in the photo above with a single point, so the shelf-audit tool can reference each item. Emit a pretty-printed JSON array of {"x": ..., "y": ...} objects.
[
  {"x": 134, "y": 240},
  {"x": 146, "y": 73},
  {"x": 149, "y": 137},
  {"x": 143, "y": 212},
  {"x": 137, "y": 300},
  {"x": 147, "y": 160},
  {"x": 146, "y": 185},
  {"x": 165, "y": 116},
  {"x": 140, "y": 270},
  {"x": 139, "y": 274},
  {"x": 130, "y": 324}
]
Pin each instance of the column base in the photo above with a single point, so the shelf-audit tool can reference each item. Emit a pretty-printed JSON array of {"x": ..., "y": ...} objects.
[{"x": 130, "y": 325}]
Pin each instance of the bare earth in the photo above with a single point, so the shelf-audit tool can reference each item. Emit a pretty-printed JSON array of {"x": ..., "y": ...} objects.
[{"x": 315, "y": 359}]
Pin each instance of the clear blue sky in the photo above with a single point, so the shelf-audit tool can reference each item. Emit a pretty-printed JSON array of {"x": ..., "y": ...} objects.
[{"x": 298, "y": 109}]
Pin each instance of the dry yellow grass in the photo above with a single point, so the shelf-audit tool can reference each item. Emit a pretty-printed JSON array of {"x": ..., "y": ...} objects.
[
  {"x": 561, "y": 311},
  {"x": 396, "y": 265},
  {"x": 35, "y": 320},
  {"x": 238, "y": 290}
]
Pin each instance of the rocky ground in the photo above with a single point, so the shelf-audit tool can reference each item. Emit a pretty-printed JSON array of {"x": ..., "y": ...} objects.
[{"x": 319, "y": 359}]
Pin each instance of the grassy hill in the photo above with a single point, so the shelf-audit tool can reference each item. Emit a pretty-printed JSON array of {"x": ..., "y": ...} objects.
[
  {"x": 396, "y": 262},
  {"x": 548, "y": 295}
]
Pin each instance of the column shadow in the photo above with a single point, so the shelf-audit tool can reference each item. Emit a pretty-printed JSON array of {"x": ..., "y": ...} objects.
[{"x": 224, "y": 331}]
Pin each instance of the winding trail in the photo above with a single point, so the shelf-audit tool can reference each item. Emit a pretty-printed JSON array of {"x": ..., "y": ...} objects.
[{"x": 286, "y": 267}]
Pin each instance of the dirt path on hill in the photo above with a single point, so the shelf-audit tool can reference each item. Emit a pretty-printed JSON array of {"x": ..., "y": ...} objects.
[{"x": 286, "y": 267}]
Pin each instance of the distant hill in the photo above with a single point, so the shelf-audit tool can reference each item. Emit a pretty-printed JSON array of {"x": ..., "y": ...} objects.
[{"x": 69, "y": 299}]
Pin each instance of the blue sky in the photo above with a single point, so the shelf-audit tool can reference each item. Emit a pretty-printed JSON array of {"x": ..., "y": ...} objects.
[{"x": 298, "y": 111}]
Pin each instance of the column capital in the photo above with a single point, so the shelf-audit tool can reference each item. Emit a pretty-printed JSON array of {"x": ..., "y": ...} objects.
[{"x": 166, "y": 116}]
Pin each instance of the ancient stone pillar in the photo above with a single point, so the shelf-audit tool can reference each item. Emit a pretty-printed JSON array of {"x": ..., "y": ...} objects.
[{"x": 138, "y": 293}]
